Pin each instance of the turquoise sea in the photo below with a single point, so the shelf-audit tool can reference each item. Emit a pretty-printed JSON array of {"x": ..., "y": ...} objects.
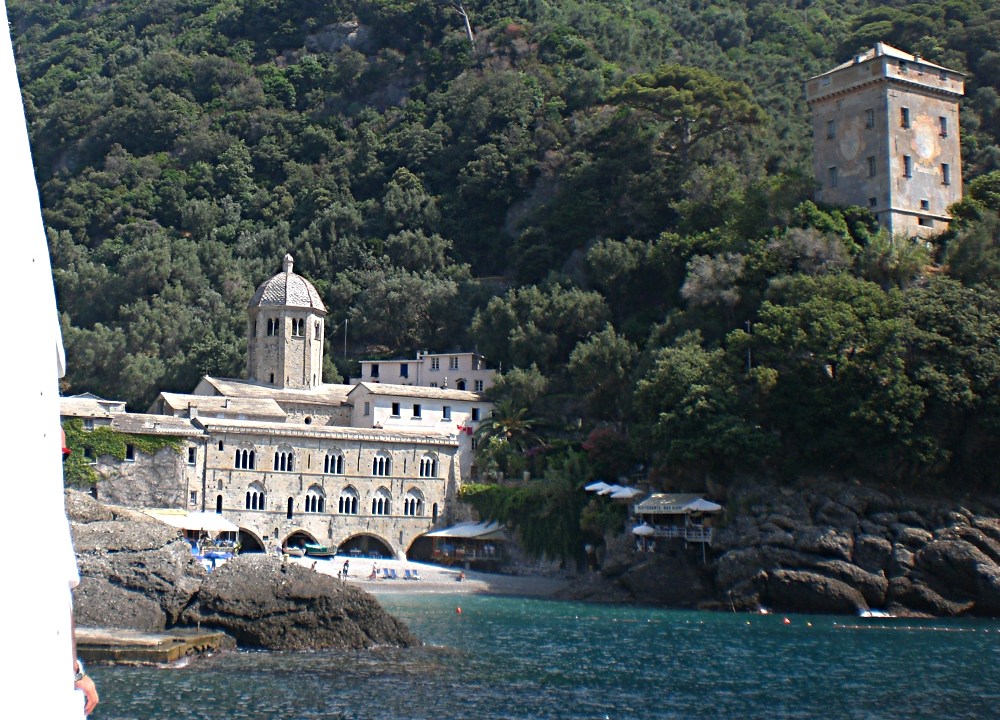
[{"x": 520, "y": 658}]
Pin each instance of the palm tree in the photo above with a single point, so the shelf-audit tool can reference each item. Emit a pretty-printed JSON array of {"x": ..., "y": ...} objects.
[{"x": 504, "y": 437}]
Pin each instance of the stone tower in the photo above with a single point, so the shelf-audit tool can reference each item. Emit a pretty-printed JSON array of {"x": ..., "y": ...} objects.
[
  {"x": 285, "y": 332},
  {"x": 885, "y": 136}
]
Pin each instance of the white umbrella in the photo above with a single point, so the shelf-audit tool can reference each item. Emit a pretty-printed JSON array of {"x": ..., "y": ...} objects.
[
  {"x": 702, "y": 505},
  {"x": 643, "y": 529},
  {"x": 609, "y": 489},
  {"x": 597, "y": 486},
  {"x": 625, "y": 493}
]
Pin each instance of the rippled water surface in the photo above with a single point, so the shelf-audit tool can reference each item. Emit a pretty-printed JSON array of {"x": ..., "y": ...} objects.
[{"x": 519, "y": 658}]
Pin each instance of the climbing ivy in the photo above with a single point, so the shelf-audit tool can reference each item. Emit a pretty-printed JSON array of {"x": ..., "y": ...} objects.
[{"x": 86, "y": 445}]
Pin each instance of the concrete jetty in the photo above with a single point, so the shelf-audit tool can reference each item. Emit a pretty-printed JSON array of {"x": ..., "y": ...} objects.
[{"x": 134, "y": 647}]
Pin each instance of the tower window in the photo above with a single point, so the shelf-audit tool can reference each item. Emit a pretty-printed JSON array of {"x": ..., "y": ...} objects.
[
  {"x": 925, "y": 205},
  {"x": 907, "y": 166},
  {"x": 925, "y": 222},
  {"x": 832, "y": 173},
  {"x": 872, "y": 167},
  {"x": 943, "y": 125},
  {"x": 870, "y": 118},
  {"x": 872, "y": 202},
  {"x": 904, "y": 117},
  {"x": 945, "y": 174},
  {"x": 831, "y": 129}
]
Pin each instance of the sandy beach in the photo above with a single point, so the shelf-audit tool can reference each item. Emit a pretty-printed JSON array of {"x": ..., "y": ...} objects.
[{"x": 433, "y": 578}]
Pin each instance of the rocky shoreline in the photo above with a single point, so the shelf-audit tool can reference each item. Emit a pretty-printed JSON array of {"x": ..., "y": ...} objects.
[
  {"x": 822, "y": 547},
  {"x": 138, "y": 574}
]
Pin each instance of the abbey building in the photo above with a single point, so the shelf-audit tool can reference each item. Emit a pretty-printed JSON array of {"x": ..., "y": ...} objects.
[{"x": 288, "y": 458}]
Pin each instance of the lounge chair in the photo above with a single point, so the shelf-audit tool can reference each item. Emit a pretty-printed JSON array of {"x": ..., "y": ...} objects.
[
  {"x": 392, "y": 574},
  {"x": 414, "y": 574}
]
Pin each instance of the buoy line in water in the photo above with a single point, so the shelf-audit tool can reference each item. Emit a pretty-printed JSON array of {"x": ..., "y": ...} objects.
[{"x": 912, "y": 628}]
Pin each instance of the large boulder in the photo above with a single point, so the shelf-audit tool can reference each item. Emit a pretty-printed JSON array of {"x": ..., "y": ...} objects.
[
  {"x": 810, "y": 592},
  {"x": 135, "y": 572},
  {"x": 264, "y": 602}
]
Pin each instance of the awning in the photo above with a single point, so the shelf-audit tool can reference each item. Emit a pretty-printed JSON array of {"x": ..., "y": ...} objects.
[
  {"x": 597, "y": 486},
  {"x": 609, "y": 489},
  {"x": 210, "y": 522},
  {"x": 472, "y": 531}
]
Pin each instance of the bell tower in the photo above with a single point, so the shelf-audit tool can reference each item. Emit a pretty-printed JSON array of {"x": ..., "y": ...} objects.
[{"x": 285, "y": 332}]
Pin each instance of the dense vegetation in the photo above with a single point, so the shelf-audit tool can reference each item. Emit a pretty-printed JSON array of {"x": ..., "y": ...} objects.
[{"x": 609, "y": 198}]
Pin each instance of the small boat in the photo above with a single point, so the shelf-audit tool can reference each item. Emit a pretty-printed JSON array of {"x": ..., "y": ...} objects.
[
  {"x": 294, "y": 551},
  {"x": 317, "y": 550}
]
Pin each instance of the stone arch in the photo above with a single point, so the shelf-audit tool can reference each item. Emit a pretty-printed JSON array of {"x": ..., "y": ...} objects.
[
  {"x": 366, "y": 545},
  {"x": 251, "y": 541}
]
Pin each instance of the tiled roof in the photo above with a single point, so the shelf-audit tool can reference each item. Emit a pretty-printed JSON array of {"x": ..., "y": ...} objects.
[
  {"x": 89, "y": 407},
  {"x": 143, "y": 424},
  {"x": 419, "y": 391},
  {"x": 227, "y": 406},
  {"x": 325, "y": 394},
  {"x": 332, "y": 432}
]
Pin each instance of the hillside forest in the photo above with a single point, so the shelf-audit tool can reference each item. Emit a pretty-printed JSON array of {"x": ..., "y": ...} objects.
[{"x": 609, "y": 199}]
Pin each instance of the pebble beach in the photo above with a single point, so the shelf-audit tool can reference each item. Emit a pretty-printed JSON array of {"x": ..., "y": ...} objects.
[{"x": 433, "y": 578}]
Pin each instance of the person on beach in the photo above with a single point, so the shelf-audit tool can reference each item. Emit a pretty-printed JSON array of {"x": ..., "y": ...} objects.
[
  {"x": 36, "y": 611},
  {"x": 347, "y": 565}
]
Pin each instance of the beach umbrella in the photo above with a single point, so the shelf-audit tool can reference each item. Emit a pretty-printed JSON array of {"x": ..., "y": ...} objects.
[
  {"x": 625, "y": 493},
  {"x": 643, "y": 530},
  {"x": 702, "y": 505},
  {"x": 597, "y": 486}
]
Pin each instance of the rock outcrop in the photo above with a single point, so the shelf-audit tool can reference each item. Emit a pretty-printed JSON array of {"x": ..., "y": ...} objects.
[
  {"x": 263, "y": 602},
  {"x": 138, "y": 573},
  {"x": 843, "y": 547}
]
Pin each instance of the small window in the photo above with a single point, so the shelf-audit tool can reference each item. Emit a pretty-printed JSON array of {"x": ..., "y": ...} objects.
[
  {"x": 872, "y": 167},
  {"x": 904, "y": 117},
  {"x": 832, "y": 173},
  {"x": 925, "y": 205},
  {"x": 872, "y": 202},
  {"x": 478, "y": 386},
  {"x": 903, "y": 67},
  {"x": 446, "y": 412},
  {"x": 453, "y": 363},
  {"x": 395, "y": 409},
  {"x": 945, "y": 174},
  {"x": 193, "y": 499},
  {"x": 368, "y": 408},
  {"x": 926, "y": 222},
  {"x": 221, "y": 446},
  {"x": 272, "y": 378},
  {"x": 870, "y": 118},
  {"x": 192, "y": 455},
  {"x": 374, "y": 372},
  {"x": 475, "y": 414},
  {"x": 435, "y": 363},
  {"x": 88, "y": 424},
  {"x": 416, "y": 410},
  {"x": 434, "y": 384},
  {"x": 831, "y": 129},
  {"x": 907, "y": 166},
  {"x": 404, "y": 370},
  {"x": 318, "y": 332},
  {"x": 943, "y": 126}
]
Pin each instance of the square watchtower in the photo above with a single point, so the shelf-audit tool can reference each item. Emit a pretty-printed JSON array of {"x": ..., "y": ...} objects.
[{"x": 885, "y": 136}]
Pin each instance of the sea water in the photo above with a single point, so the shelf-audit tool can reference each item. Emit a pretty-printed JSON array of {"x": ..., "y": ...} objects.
[{"x": 502, "y": 657}]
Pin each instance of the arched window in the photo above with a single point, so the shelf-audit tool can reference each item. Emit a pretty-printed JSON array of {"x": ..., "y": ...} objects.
[
  {"x": 333, "y": 463},
  {"x": 291, "y": 507},
  {"x": 218, "y": 504},
  {"x": 255, "y": 499},
  {"x": 382, "y": 465},
  {"x": 348, "y": 503},
  {"x": 428, "y": 466},
  {"x": 413, "y": 503},
  {"x": 284, "y": 459},
  {"x": 315, "y": 499},
  {"x": 460, "y": 385},
  {"x": 245, "y": 458},
  {"x": 381, "y": 502},
  {"x": 271, "y": 329}
]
